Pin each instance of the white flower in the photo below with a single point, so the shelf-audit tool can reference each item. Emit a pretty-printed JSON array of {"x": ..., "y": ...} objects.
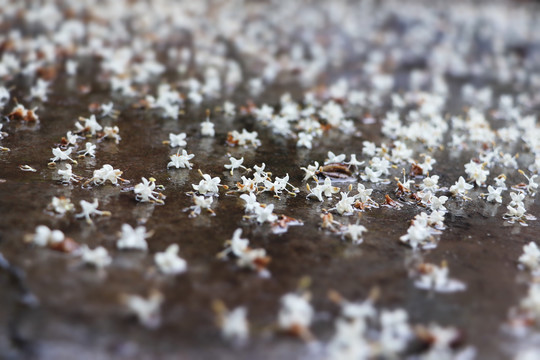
[
  {"x": 244, "y": 138},
  {"x": 427, "y": 165},
  {"x": 90, "y": 125},
  {"x": 237, "y": 245},
  {"x": 251, "y": 202},
  {"x": 500, "y": 181},
  {"x": 89, "y": 209},
  {"x": 531, "y": 256},
  {"x": 494, "y": 195},
  {"x": 369, "y": 148},
  {"x": 311, "y": 170},
  {"x": 316, "y": 192},
  {"x": 516, "y": 212},
  {"x": 327, "y": 188},
  {"x": 418, "y": 235},
  {"x": 2, "y": 133},
  {"x": 344, "y": 206},
  {"x": 70, "y": 137},
  {"x": 90, "y": 149},
  {"x": 295, "y": 312},
  {"x": 304, "y": 140},
  {"x": 98, "y": 257},
  {"x": 235, "y": 164},
  {"x": 430, "y": 183},
  {"x": 354, "y": 232},
  {"x": 208, "y": 186},
  {"x": 436, "y": 219},
  {"x": 265, "y": 214},
  {"x": 61, "y": 205},
  {"x": 354, "y": 161},
  {"x": 112, "y": 132},
  {"x": 60, "y": 155},
  {"x": 264, "y": 113},
  {"x": 106, "y": 173},
  {"x": 437, "y": 203},
  {"x": 363, "y": 194},
  {"x": 40, "y": 90},
  {"x": 169, "y": 262},
  {"x": 460, "y": 187},
  {"x": 67, "y": 175},
  {"x": 253, "y": 259},
  {"x": 436, "y": 278},
  {"x": 247, "y": 257},
  {"x": 144, "y": 192},
  {"x": 177, "y": 140},
  {"x": 395, "y": 331},
  {"x": 476, "y": 172},
  {"x": 370, "y": 175},
  {"x": 146, "y": 310},
  {"x": 44, "y": 236},
  {"x": 235, "y": 326},
  {"x": 181, "y": 161},
  {"x": 380, "y": 164},
  {"x": 201, "y": 202},
  {"x": 333, "y": 158},
  {"x": 131, "y": 238},
  {"x": 107, "y": 109},
  {"x": 207, "y": 128},
  {"x": 517, "y": 198},
  {"x": 228, "y": 108},
  {"x": 532, "y": 186}
]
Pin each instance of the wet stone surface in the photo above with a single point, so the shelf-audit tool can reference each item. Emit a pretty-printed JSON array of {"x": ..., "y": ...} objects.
[{"x": 77, "y": 310}]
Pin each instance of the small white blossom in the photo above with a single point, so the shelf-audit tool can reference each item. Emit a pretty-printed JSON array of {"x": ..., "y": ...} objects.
[
  {"x": 207, "y": 128},
  {"x": 60, "y": 155},
  {"x": 98, "y": 257},
  {"x": 61, "y": 205},
  {"x": 531, "y": 256},
  {"x": 106, "y": 173},
  {"x": 146, "y": 310},
  {"x": 144, "y": 192},
  {"x": 354, "y": 232},
  {"x": 354, "y": 161},
  {"x": 333, "y": 158},
  {"x": 177, "y": 140},
  {"x": 90, "y": 125},
  {"x": 344, "y": 206},
  {"x": 67, "y": 174},
  {"x": 460, "y": 187},
  {"x": 494, "y": 194},
  {"x": 251, "y": 202},
  {"x": 90, "y": 149},
  {"x": 107, "y": 109},
  {"x": 265, "y": 214},
  {"x": 112, "y": 132},
  {"x": 430, "y": 183},
  {"x": 476, "y": 172},
  {"x": 371, "y": 175},
  {"x": 169, "y": 262},
  {"x": 181, "y": 161},
  {"x": 208, "y": 185},
  {"x": 295, "y": 313},
  {"x": 44, "y": 236},
  {"x": 304, "y": 140},
  {"x": 131, "y": 238},
  {"x": 235, "y": 164},
  {"x": 311, "y": 170},
  {"x": 201, "y": 202},
  {"x": 436, "y": 278},
  {"x": 234, "y": 326},
  {"x": 88, "y": 209}
]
